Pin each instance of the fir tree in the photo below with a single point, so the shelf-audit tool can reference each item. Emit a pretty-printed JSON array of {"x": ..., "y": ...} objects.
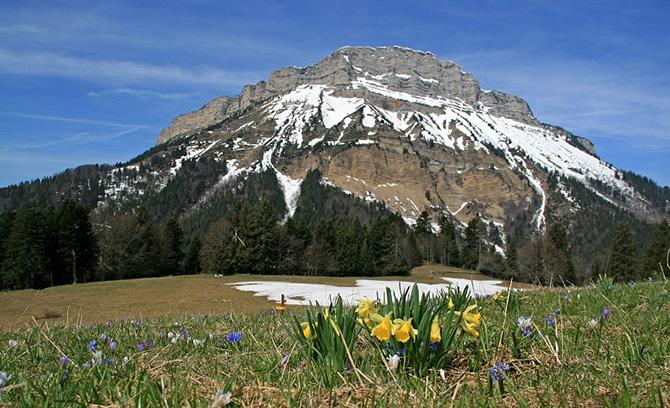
[
  {"x": 657, "y": 252},
  {"x": 77, "y": 244},
  {"x": 173, "y": 249},
  {"x": 472, "y": 247},
  {"x": 622, "y": 254},
  {"x": 559, "y": 238},
  {"x": 27, "y": 264},
  {"x": 412, "y": 252},
  {"x": 191, "y": 263}
]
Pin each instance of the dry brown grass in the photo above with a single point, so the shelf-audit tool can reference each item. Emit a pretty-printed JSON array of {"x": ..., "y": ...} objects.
[{"x": 97, "y": 302}]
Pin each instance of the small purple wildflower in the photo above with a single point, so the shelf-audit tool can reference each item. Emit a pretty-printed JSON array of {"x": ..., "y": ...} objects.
[
  {"x": 103, "y": 338},
  {"x": 92, "y": 345},
  {"x": 434, "y": 346},
  {"x": 497, "y": 372},
  {"x": 183, "y": 332},
  {"x": 284, "y": 361},
  {"x": 140, "y": 347},
  {"x": 555, "y": 313},
  {"x": 108, "y": 362},
  {"x": 112, "y": 345},
  {"x": 149, "y": 343},
  {"x": 138, "y": 323},
  {"x": 550, "y": 321},
  {"x": 233, "y": 337},
  {"x": 400, "y": 352},
  {"x": 64, "y": 361},
  {"x": 606, "y": 313},
  {"x": 64, "y": 377}
]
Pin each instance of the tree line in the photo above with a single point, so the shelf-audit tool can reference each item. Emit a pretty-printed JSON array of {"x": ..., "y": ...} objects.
[{"x": 67, "y": 243}]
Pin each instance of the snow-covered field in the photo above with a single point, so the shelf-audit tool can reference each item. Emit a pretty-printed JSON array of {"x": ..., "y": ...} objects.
[{"x": 306, "y": 293}]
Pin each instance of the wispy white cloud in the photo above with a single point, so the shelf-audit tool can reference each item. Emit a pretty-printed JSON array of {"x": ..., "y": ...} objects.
[
  {"x": 142, "y": 94},
  {"x": 71, "y": 120},
  {"x": 116, "y": 71}
]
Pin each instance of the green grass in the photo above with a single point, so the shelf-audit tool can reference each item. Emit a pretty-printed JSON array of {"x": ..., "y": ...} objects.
[{"x": 623, "y": 361}]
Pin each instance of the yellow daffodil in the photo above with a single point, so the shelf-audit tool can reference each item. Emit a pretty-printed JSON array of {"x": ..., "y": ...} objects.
[
  {"x": 435, "y": 335},
  {"x": 384, "y": 329},
  {"x": 470, "y": 321},
  {"x": 470, "y": 329},
  {"x": 402, "y": 330},
  {"x": 366, "y": 308},
  {"x": 473, "y": 318},
  {"x": 307, "y": 330},
  {"x": 499, "y": 296}
]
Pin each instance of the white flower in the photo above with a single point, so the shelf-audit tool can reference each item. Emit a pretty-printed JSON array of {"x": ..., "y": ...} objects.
[
  {"x": 443, "y": 375},
  {"x": 221, "y": 399},
  {"x": 125, "y": 359},
  {"x": 170, "y": 335},
  {"x": 197, "y": 342},
  {"x": 524, "y": 322},
  {"x": 393, "y": 361},
  {"x": 13, "y": 344},
  {"x": 4, "y": 378},
  {"x": 593, "y": 323}
]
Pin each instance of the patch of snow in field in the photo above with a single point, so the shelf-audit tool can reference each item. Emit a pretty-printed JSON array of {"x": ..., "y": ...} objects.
[{"x": 306, "y": 293}]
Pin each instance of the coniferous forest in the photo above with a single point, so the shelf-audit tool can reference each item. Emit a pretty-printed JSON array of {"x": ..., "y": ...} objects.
[{"x": 71, "y": 242}]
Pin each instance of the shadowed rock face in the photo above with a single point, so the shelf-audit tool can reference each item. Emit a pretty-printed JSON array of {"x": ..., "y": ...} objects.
[{"x": 398, "y": 69}]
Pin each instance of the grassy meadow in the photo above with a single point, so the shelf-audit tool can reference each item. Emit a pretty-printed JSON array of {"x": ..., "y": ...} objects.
[{"x": 606, "y": 345}]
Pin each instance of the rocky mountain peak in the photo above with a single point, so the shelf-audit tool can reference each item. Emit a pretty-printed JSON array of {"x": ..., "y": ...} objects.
[{"x": 399, "y": 69}]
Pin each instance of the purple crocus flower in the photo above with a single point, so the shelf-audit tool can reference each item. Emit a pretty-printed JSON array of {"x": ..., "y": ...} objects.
[
  {"x": 497, "y": 372},
  {"x": 183, "y": 332},
  {"x": 140, "y": 347},
  {"x": 92, "y": 345},
  {"x": 550, "y": 321},
  {"x": 103, "y": 338},
  {"x": 606, "y": 313},
  {"x": 64, "y": 361},
  {"x": 233, "y": 337},
  {"x": 112, "y": 345},
  {"x": 285, "y": 360}
]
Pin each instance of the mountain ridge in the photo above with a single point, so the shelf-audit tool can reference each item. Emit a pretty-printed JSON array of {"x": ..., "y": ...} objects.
[{"x": 389, "y": 126}]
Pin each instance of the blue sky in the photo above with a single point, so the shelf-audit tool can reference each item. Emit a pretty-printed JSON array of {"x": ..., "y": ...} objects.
[{"x": 82, "y": 82}]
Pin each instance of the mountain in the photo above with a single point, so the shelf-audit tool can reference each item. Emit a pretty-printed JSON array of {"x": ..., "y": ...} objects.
[{"x": 389, "y": 126}]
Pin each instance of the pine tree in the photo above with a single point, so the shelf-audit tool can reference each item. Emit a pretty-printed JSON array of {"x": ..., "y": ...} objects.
[
  {"x": 191, "y": 263},
  {"x": 263, "y": 239},
  {"x": 422, "y": 225},
  {"x": 412, "y": 252},
  {"x": 451, "y": 253},
  {"x": 622, "y": 254},
  {"x": 472, "y": 247},
  {"x": 657, "y": 252},
  {"x": 558, "y": 236},
  {"x": 77, "y": 244},
  {"x": 27, "y": 262},
  {"x": 174, "y": 241}
]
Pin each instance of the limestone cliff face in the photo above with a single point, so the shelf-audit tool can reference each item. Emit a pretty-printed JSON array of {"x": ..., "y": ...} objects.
[
  {"x": 396, "y": 68},
  {"x": 404, "y": 128}
]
